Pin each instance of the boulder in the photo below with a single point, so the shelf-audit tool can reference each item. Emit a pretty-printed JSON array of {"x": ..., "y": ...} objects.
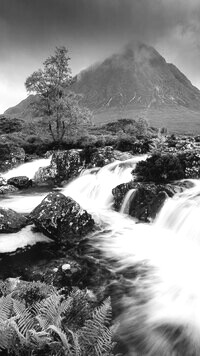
[
  {"x": 2, "y": 181},
  {"x": 122, "y": 156},
  {"x": 65, "y": 165},
  {"x": 11, "y": 221},
  {"x": 147, "y": 198},
  {"x": 10, "y": 156},
  {"x": 102, "y": 156},
  {"x": 20, "y": 182},
  {"x": 147, "y": 201},
  {"x": 62, "y": 219},
  {"x": 190, "y": 161},
  {"x": 6, "y": 189}
]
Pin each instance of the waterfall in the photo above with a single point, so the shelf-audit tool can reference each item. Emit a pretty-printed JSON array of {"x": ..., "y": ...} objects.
[
  {"x": 161, "y": 313},
  {"x": 26, "y": 201},
  {"x": 94, "y": 191},
  {"x": 126, "y": 202},
  {"x": 27, "y": 169},
  {"x": 163, "y": 318}
]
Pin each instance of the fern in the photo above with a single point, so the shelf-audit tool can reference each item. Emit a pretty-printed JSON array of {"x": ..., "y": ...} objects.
[
  {"x": 65, "y": 342},
  {"x": 54, "y": 325},
  {"x": 6, "y": 304},
  {"x": 95, "y": 335}
]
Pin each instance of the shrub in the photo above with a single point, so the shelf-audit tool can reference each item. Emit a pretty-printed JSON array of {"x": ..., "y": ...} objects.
[
  {"x": 159, "y": 168},
  {"x": 9, "y": 125}
]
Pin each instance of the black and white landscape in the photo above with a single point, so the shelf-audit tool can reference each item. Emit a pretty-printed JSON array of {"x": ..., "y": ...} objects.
[{"x": 99, "y": 178}]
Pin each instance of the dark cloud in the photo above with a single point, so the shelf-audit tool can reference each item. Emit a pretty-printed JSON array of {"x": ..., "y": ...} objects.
[{"x": 92, "y": 30}]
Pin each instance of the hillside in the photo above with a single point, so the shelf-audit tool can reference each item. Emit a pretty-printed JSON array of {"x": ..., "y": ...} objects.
[{"x": 137, "y": 82}]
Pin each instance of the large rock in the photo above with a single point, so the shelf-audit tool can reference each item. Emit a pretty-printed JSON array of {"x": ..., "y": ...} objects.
[
  {"x": 10, "y": 156},
  {"x": 64, "y": 166},
  {"x": 147, "y": 198},
  {"x": 62, "y": 219},
  {"x": 11, "y": 221},
  {"x": 20, "y": 182},
  {"x": 8, "y": 188},
  {"x": 102, "y": 156},
  {"x": 3, "y": 181}
]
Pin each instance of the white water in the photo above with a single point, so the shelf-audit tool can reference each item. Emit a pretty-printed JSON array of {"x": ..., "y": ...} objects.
[
  {"x": 27, "y": 169},
  {"x": 164, "y": 318},
  {"x": 11, "y": 242},
  {"x": 126, "y": 202},
  {"x": 24, "y": 202},
  {"x": 170, "y": 250}
]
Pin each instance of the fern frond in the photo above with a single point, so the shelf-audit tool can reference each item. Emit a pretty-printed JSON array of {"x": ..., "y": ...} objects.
[
  {"x": 95, "y": 335},
  {"x": 7, "y": 336},
  {"x": 25, "y": 322},
  {"x": 104, "y": 313},
  {"x": 63, "y": 338},
  {"x": 6, "y": 308},
  {"x": 48, "y": 311},
  {"x": 18, "y": 307},
  {"x": 39, "y": 338},
  {"x": 76, "y": 347}
]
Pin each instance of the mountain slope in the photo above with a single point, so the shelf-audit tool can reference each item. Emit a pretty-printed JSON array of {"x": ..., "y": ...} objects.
[{"x": 139, "y": 76}]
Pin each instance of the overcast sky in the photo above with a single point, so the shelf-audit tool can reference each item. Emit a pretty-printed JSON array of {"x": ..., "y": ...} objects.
[{"x": 92, "y": 30}]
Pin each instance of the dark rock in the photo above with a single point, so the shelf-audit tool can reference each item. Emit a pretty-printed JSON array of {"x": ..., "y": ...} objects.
[
  {"x": 6, "y": 189},
  {"x": 65, "y": 165},
  {"x": 2, "y": 181},
  {"x": 21, "y": 182},
  {"x": 122, "y": 156},
  {"x": 190, "y": 161},
  {"x": 102, "y": 156},
  {"x": 10, "y": 156},
  {"x": 11, "y": 221},
  {"x": 147, "y": 198},
  {"x": 62, "y": 219},
  {"x": 146, "y": 202},
  {"x": 60, "y": 272}
]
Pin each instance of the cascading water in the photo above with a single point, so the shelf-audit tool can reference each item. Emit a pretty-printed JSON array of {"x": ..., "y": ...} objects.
[
  {"x": 27, "y": 169},
  {"x": 23, "y": 202},
  {"x": 162, "y": 312},
  {"x": 164, "y": 317},
  {"x": 26, "y": 201}
]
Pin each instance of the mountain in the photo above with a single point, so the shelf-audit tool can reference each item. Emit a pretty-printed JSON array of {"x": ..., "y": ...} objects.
[
  {"x": 138, "y": 82},
  {"x": 137, "y": 76},
  {"x": 24, "y": 108}
]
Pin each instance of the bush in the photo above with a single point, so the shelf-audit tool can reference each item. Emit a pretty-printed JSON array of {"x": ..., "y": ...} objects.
[
  {"x": 9, "y": 125},
  {"x": 160, "y": 168},
  {"x": 127, "y": 143}
]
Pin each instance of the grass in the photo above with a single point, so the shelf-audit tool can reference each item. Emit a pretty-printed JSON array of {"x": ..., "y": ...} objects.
[{"x": 176, "y": 119}]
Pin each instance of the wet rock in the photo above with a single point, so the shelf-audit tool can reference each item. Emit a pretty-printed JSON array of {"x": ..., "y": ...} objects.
[
  {"x": 52, "y": 272},
  {"x": 102, "y": 156},
  {"x": 190, "y": 161},
  {"x": 122, "y": 156},
  {"x": 62, "y": 219},
  {"x": 10, "y": 156},
  {"x": 20, "y": 182},
  {"x": 2, "y": 181},
  {"x": 6, "y": 189},
  {"x": 147, "y": 198},
  {"x": 11, "y": 221},
  {"x": 65, "y": 165},
  {"x": 146, "y": 202}
]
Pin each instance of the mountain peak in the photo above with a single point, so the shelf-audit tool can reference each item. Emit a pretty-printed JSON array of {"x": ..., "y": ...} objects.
[{"x": 137, "y": 76}]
